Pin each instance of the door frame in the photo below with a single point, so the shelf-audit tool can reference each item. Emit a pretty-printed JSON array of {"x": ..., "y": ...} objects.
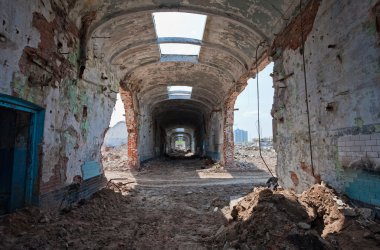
[{"x": 36, "y": 137}]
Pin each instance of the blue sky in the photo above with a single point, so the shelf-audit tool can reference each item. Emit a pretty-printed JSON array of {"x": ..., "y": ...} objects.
[
  {"x": 246, "y": 116},
  {"x": 176, "y": 24}
]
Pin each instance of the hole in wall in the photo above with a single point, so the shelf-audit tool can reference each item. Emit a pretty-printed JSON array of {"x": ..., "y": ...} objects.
[
  {"x": 114, "y": 150},
  {"x": 246, "y": 136},
  {"x": 84, "y": 113}
]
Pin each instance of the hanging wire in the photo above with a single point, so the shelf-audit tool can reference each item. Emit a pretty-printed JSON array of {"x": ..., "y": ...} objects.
[
  {"x": 258, "y": 107},
  {"x": 306, "y": 92}
]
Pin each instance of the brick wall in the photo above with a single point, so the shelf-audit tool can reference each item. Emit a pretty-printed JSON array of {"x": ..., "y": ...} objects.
[
  {"x": 354, "y": 149},
  {"x": 132, "y": 127},
  {"x": 360, "y": 159}
]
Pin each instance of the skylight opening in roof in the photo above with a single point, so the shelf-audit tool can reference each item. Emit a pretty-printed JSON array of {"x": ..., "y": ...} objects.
[
  {"x": 179, "y": 92},
  {"x": 179, "y": 24},
  {"x": 179, "y": 49}
]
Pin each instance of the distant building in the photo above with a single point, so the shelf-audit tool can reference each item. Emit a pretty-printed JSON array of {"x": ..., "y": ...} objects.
[
  {"x": 116, "y": 135},
  {"x": 240, "y": 136}
]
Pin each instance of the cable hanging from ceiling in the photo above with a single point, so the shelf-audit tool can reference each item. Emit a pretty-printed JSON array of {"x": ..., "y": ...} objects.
[
  {"x": 305, "y": 86},
  {"x": 258, "y": 107}
]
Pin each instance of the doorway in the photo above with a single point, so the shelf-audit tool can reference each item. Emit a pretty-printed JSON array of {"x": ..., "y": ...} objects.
[{"x": 21, "y": 128}]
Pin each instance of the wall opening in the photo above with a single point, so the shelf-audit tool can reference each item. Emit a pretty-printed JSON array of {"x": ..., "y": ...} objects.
[
  {"x": 246, "y": 123},
  {"x": 21, "y": 132},
  {"x": 115, "y": 145},
  {"x": 180, "y": 142}
]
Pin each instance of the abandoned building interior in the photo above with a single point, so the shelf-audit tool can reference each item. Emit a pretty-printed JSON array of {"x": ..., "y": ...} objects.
[{"x": 64, "y": 61}]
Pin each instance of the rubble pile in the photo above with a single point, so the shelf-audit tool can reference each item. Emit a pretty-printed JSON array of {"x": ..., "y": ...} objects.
[
  {"x": 248, "y": 157},
  {"x": 283, "y": 220},
  {"x": 115, "y": 159},
  {"x": 187, "y": 204}
]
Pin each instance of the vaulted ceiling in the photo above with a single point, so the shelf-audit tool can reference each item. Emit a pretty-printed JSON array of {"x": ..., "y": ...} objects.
[{"x": 124, "y": 36}]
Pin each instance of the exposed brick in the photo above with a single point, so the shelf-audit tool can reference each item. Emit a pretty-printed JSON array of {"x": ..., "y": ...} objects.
[
  {"x": 371, "y": 142},
  {"x": 132, "y": 126},
  {"x": 375, "y": 136},
  {"x": 355, "y": 149},
  {"x": 341, "y": 139},
  {"x": 359, "y": 143},
  {"x": 290, "y": 36},
  {"x": 366, "y": 148},
  {"x": 372, "y": 154},
  {"x": 357, "y": 154},
  {"x": 342, "y": 149},
  {"x": 364, "y": 137},
  {"x": 344, "y": 139},
  {"x": 294, "y": 178},
  {"x": 376, "y": 148}
]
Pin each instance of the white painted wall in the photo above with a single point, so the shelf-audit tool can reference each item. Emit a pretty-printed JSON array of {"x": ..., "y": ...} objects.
[{"x": 116, "y": 135}]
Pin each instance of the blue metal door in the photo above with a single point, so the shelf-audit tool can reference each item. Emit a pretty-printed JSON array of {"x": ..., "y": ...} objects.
[
  {"x": 21, "y": 159},
  {"x": 7, "y": 124},
  {"x": 21, "y": 129}
]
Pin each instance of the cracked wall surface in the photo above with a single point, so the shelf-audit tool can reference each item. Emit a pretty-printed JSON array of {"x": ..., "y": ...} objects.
[
  {"x": 342, "y": 66},
  {"x": 72, "y": 58},
  {"x": 40, "y": 64}
]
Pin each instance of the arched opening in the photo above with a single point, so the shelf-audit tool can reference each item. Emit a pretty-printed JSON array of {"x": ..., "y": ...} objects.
[{"x": 179, "y": 79}]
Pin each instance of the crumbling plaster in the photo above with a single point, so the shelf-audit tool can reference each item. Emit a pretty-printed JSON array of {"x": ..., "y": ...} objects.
[
  {"x": 40, "y": 64},
  {"x": 342, "y": 68},
  {"x": 72, "y": 57},
  {"x": 123, "y": 35}
]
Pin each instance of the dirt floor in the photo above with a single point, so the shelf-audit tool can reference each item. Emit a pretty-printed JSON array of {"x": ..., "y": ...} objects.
[
  {"x": 192, "y": 204},
  {"x": 246, "y": 157},
  {"x": 170, "y": 204}
]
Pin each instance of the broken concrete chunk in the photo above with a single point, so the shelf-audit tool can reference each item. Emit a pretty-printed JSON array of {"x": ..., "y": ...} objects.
[
  {"x": 366, "y": 213},
  {"x": 304, "y": 225},
  {"x": 349, "y": 212}
]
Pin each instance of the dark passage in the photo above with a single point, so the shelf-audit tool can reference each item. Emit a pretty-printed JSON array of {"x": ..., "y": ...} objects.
[{"x": 14, "y": 147}]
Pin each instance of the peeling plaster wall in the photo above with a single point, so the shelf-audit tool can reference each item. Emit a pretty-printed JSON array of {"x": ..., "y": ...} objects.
[
  {"x": 146, "y": 131},
  {"x": 39, "y": 54},
  {"x": 215, "y": 136},
  {"x": 228, "y": 131},
  {"x": 343, "y": 76}
]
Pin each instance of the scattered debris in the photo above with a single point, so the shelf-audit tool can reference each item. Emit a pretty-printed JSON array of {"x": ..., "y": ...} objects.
[
  {"x": 168, "y": 206},
  {"x": 248, "y": 157},
  {"x": 115, "y": 159},
  {"x": 283, "y": 220}
]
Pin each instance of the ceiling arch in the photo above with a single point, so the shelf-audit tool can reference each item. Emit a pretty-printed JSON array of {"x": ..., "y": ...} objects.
[{"x": 123, "y": 35}]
